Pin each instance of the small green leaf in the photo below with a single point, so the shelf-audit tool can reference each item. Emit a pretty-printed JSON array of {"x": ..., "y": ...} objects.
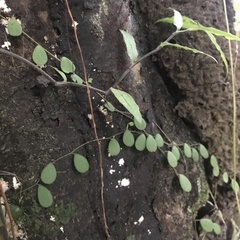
[
  {"x": 128, "y": 138},
  {"x": 225, "y": 177},
  {"x": 203, "y": 151},
  {"x": 131, "y": 237},
  {"x": 216, "y": 171},
  {"x": 187, "y": 150},
  {"x": 67, "y": 65},
  {"x": 14, "y": 27},
  {"x": 217, "y": 46},
  {"x": 128, "y": 102},
  {"x": 234, "y": 185},
  {"x": 140, "y": 142},
  {"x": 76, "y": 78},
  {"x": 213, "y": 161},
  {"x": 80, "y": 163},
  {"x": 172, "y": 160},
  {"x": 188, "y": 23},
  {"x": 164, "y": 44},
  {"x": 62, "y": 74},
  {"x": 49, "y": 174},
  {"x": 131, "y": 45},
  {"x": 206, "y": 224},
  {"x": 140, "y": 126},
  {"x": 185, "y": 183},
  {"x": 90, "y": 80},
  {"x": 16, "y": 211},
  {"x": 45, "y": 197},
  {"x": 159, "y": 140},
  {"x": 39, "y": 56},
  {"x": 151, "y": 144},
  {"x": 195, "y": 155},
  {"x": 113, "y": 147},
  {"x": 176, "y": 152},
  {"x": 216, "y": 228},
  {"x": 109, "y": 106},
  {"x": 131, "y": 124}
]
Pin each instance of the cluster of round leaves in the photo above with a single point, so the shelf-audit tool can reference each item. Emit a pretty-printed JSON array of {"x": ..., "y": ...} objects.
[
  {"x": 152, "y": 143},
  {"x": 49, "y": 175},
  {"x": 40, "y": 57},
  {"x": 209, "y": 226}
]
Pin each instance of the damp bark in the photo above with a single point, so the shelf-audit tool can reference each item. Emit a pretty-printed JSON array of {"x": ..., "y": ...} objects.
[{"x": 183, "y": 93}]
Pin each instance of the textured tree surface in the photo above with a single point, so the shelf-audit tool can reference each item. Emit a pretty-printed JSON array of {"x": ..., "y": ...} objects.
[{"x": 187, "y": 95}]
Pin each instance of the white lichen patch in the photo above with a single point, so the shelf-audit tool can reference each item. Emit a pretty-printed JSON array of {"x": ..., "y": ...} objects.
[
  {"x": 111, "y": 171},
  {"x": 125, "y": 182},
  {"x": 16, "y": 183},
  {"x": 4, "y": 6},
  {"x": 52, "y": 218},
  {"x": 149, "y": 232},
  {"x": 121, "y": 162},
  {"x": 61, "y": 229},
  {"x": 6, "y": 45},
  {"x": 139, "y": 221}
]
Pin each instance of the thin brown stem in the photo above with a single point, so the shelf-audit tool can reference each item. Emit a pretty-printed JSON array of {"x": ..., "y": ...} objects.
[
  {"x": 143, "y": 57},
  {"x": 94, "y": 124},
  {"x": 8, "y": 211},
  {"x": 47, "y": 76}
]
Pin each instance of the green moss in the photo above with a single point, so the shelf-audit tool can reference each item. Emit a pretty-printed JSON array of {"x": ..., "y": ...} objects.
[
  {"x": 36, "y": 220},
  {"x": 64, "y": 213},
  {"x": 203, "y": 194}
]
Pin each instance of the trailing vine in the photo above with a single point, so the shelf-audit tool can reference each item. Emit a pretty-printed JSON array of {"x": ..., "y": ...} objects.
[{"x": 135, "y": 134}]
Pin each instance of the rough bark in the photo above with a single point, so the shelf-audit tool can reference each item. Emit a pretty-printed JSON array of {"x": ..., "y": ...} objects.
[{"x": 183, "y": 93}]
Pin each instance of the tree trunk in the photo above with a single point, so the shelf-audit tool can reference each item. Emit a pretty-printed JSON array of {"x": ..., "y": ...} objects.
[{"x": 183, "y": 94}]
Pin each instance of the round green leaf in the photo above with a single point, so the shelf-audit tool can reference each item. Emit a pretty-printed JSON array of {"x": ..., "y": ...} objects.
[
  {"x": 176, "y": 152},
  {"x": 49, "y": 174},
  {"x": 216, "y": 171},
  {"x": 76, "y": 78},
  {"x": 62, "y": 74},
  {"x": 213, "y": 161},
  {"x": 203, "y": 151},
  {"x": 140, "y": 126},
  {"x": 187, "y": 150},
  {"x": 14, "y": 27},
  {"x": 172, "y": 160},
  {"x": 16, "y": 211},
  {"x": 109, "y": 106},
  {"x": 39, "y": 56},
  {"x": 113, "y": 147},
  {"x": 140, "y": 142},
  {"x": 151, "y": 144},
  {"x": 234, "y": 185},
  {"x": 45, "y": 197},
  {"x": 131, "y": 124},
  {"x": 185, "y": 183},
  {"x": 206, "y": 224},
  {"x": 67, "y": 65},
  {"x": 80, "y": 163},
  {"x": 195, "y": 155},
  {"x": 216, "y": 228},
  {"x": 225, "y": 177},
  {"x": 128, "y": 138},
  {"x": 159, "y": 140}
]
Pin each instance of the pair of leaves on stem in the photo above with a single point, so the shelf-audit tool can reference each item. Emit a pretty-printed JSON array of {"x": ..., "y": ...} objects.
[
  {"x": 40, "y": 58},
  {"x": 49, "y": 175},
  {"x": 209, "y": 226}
]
